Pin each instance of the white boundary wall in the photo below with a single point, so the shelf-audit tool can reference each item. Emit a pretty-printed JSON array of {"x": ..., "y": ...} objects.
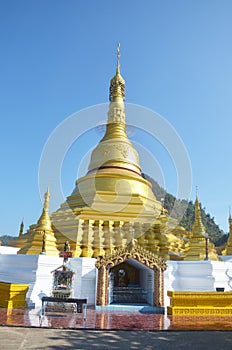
[
  {"x": 35, "y": 270},
  {"x": 198, "y": 276}
]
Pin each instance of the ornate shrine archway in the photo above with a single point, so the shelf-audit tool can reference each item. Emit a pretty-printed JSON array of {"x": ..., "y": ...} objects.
[{"x": 136, "y": 252}]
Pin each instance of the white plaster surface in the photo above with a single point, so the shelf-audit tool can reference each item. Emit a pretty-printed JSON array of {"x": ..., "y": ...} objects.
[
  {"x": 197, "y": 276},
  {"x": 84, "y": 278},
  {"x": 35, "y": 270},
  {"x": 8, "y": 250}
]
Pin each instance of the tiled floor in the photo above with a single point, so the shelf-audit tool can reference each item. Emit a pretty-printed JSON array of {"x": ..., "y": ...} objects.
[{"x": 112, "y": 320}]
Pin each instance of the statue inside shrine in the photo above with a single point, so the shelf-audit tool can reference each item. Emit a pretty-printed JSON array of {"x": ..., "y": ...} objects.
[
  {"x": 122, "y": 278},
  {"x": 66, "y": 246}
]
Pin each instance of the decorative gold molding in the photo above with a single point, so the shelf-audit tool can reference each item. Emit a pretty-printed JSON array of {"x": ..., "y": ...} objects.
[
  {"x": 200, "y": 303},
  {"x": 132, "y": 251}
]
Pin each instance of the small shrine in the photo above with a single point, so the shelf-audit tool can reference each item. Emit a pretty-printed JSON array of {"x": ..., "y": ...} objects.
[
  {"x": 62, "y": 288},
  {"x": 63, "y": 276},
  {"x": 62, "y": 282}
]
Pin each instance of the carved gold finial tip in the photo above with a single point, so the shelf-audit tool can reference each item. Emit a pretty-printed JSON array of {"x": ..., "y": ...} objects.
[
  {"x": 118, "y": 51},
  {"x": 117, "y": 83},
  {"x": 118, "y": 58}
]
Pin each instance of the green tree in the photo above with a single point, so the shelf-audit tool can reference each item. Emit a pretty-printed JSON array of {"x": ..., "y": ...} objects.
[{"x": 215, "y": 233}]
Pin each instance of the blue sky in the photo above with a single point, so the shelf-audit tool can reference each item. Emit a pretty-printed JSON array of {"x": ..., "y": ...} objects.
[{"x": 58, "y": 56}]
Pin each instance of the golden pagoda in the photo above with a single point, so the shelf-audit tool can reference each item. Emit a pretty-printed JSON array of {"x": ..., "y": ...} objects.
[
  {"x": 40, "y": 237},
  {"x": 106, "y": 203},
  {"x": 199, "y": 244},
  {"x": 228, "y": 248},
  {"x": 113, "y": 202}
]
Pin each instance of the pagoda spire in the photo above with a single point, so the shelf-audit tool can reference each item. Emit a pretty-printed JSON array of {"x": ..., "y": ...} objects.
[
  {"x": 198, "y": 227},
  {"x": 21, "y": 229},
  {"x": 44, "y": 222},
  {"x": 116, "y": 113},
  {"x": 115, "y": 149}
]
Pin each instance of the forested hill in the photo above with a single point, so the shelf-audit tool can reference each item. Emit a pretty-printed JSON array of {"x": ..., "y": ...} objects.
[
  {"x": 216, "y": 234},
  {"x": 4, "y": 239}
]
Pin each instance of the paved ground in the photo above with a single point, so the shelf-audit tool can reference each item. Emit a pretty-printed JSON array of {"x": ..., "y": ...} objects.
[
  {"x": 113, "y": 321},
  {"x": 18, "y": 338}
]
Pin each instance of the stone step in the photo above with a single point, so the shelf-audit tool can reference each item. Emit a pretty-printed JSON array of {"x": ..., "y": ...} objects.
[{"x": 129, "y": 295}]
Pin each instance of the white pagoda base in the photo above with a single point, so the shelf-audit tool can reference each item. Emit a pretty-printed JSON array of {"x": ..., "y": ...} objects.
[{"x": 35, "y": 270}]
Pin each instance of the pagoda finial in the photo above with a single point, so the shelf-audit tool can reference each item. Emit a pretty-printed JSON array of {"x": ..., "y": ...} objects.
[
  {"x": 46, "y": 200},
  {"x": 118, "y": 58},
  {"x": 117, "y": 83}
]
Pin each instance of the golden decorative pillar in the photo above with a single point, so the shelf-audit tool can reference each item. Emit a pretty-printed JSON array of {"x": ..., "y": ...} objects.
[
  {"x": 158, "y": 287},
  {"x": 151, "y": 240},
  {"x": 116, "y": 232},
  {"x": 126, "y": 233},
  {"x": 87, "y": 239},
  {"x": 108, "y": 237},
  {"x": 141, "y": 238},
  {"x": 98, "y": 240},
  {"x": 102, "y": 286}
]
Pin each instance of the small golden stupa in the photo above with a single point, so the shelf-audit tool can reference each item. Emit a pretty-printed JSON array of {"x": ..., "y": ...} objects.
[
  {"x": 20, "y": 241},
  {"x": 199, "y": 241},
  {"x": 40, "y": 237}
]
